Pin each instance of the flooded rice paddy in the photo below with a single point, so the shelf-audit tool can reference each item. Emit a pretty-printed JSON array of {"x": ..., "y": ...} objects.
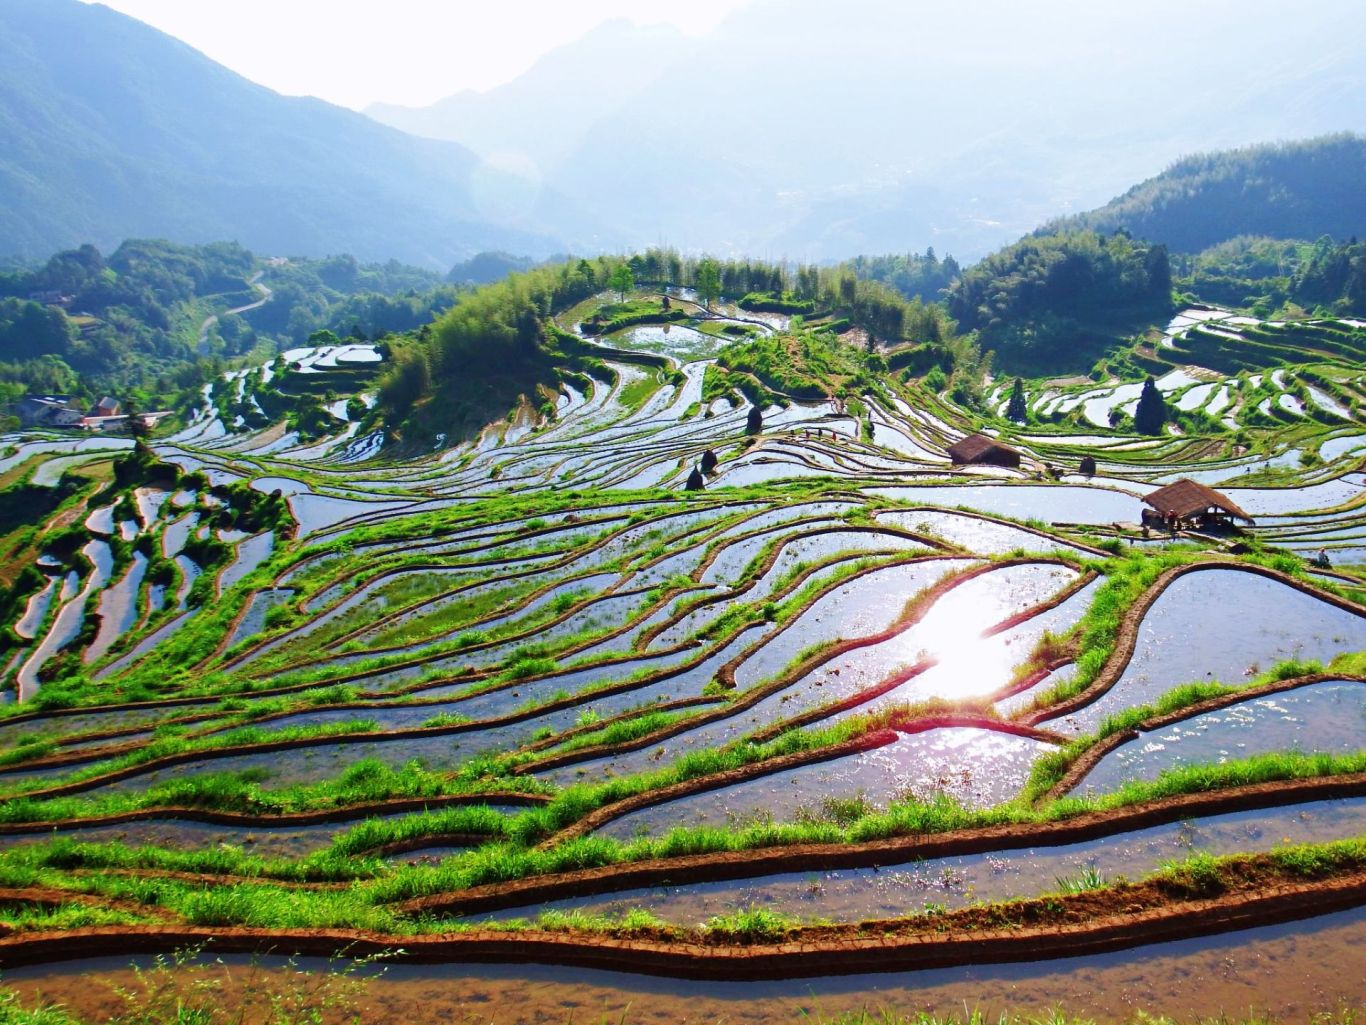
[{"x": 544, "y": 608}]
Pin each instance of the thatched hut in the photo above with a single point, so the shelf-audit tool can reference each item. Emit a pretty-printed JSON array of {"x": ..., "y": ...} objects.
[
  {"x": 1088, "y": 466},
  {"x": 1189, "y": 502},
  {"x": 709, "y": 461},
  {"x": 978, "y": 448},
  {"x": 695, "y": 481},
  {"x": 754, "y": 422}
]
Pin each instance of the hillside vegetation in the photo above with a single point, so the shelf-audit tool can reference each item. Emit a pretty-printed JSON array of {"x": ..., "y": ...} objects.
[
  {"x": 511, "y": 343},
  {"x": 136, "y": 324},
  {"x": 1298, "y": 190},
  {"x": 115, "y": 130},
  {"x": 1265, "y": 275},
  {"x": 1055, "y": 302}
]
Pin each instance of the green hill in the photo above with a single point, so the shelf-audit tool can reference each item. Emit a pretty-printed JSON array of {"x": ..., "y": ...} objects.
[
  {"x": 114, "y": 130},
  {"x": 1298, "y": 190}
]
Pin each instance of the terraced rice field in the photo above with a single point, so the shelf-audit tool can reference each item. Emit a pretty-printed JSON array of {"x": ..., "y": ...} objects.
[{"x": 526, "y": 699}]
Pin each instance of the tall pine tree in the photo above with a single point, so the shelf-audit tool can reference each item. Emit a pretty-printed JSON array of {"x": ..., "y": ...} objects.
[
  {"x": 1151, "y": 413},
  {"x": 1016, "y": 410}
]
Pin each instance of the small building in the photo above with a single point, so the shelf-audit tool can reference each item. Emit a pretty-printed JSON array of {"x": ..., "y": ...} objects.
[
  {"x": 978, "y": 448},
  {"x": 48, "y": 411},
  {"x": 118, "y": 424},
  {"x": 1188, "y": 502},
  {"x": 50, "y": 297},
  {"x": 105, "y": 407}
]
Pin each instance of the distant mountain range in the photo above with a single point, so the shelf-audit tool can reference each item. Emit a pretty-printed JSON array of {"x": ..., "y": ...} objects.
[
  {"x": 113, "y": 129},
  {"x": 796, "y": 129},
  {"x": 806, "y": 129},
  {"x": 1299, "y": 190}
]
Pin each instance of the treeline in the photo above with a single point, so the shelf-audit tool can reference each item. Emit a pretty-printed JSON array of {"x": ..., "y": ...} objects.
[
  {"x": 499, "y": 342},
  {"x": 1246, "y": 271},
  {"x": 124, "y": 325},
  {"x": 1270, "y": 276},
  {"x": 471, "y": 365},
  {"x": 870, "y": 304},
  {"x": 1298, "y": 190},
  {"x": 129, "y": 324},
  {"x": 341, "y": 295},
  {"x": 1038, "y": 302},
  {"x": 913, "y": 275},
  {"x": 1333, "y": 279}
]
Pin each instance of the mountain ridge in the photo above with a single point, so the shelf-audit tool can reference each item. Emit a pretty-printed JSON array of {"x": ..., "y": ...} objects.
[
  {"x": 795, "y": 130},
  {"x": 118, "y": 130},
  {"x": 1299, "y": 189}
]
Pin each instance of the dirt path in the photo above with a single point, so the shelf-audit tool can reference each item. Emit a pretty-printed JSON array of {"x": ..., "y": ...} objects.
[{"x": 211, "y": 321}]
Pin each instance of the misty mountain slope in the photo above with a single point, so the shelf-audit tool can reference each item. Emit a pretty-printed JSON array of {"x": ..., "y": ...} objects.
[
  {"x": 1295, "y": 190},
  {"x": 541, "y": 115},
  {"x": 114, "y": 129},
  {"x": 811, "y": 130}
]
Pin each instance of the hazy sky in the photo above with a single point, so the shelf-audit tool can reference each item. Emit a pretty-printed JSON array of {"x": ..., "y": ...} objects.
[{"x": 354, "y": 52}]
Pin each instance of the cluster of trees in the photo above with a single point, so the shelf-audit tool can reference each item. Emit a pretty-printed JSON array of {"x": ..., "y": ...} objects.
[
  {"x": 913, "y": 275},
  {"x": 1294, "y": 190},
  {"x": 1249, "y": 271},
  {"x": 480, "y": 355},
  {"x": 1264, "y": 274},
  {"x": 128, "y": 324},
  {"x": 871, "y": 304},
  {"x": 486, "y": 268},
  {"x": 1151, "y": 412},
  {"x": 721, "y": 277},
  {"x": 1334, "y": 278},
  {"x": 499, "y": 341},
  {"x": 338, "y": 294},
  {"x": 125, "y": 325},
  {"x": 1034, "y": 302}
]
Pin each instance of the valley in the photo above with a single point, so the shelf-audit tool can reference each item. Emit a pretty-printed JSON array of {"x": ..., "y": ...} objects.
[{"x": 712, "y": 660}]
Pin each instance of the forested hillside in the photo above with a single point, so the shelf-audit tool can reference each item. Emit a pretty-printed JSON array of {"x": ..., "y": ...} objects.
[
  {"x": 914, "y": 275},
  {"x": 150, "y": 323},
  {"x": 513, "y": 341},
  {"x": 114, "y": 130},
  {"x": 1263, "y": 275},
  {"x": 1057, "y": 301},
  {"x": 1298, "y": 190}
]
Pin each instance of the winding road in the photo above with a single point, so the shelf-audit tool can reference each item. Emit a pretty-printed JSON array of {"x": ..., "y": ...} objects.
[{"x": 211, "y": 321}]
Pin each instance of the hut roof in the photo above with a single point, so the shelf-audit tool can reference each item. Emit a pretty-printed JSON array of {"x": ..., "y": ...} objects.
[
  {"x": 974, "y": 446},
  {"x": 1186, "y": 498}
]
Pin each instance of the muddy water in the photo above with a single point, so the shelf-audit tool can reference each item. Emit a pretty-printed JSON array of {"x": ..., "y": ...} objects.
[
  {"x": 1328, "y": 717},
  {"x": 983, "y": 536},
  {"x": 852, "y": 895},
  {"x": 265, "y": 842},
  {"x": 1287, "y": 971},
  {"x": 1220, "y": 625},
  {"x": 979, "y": 767}
]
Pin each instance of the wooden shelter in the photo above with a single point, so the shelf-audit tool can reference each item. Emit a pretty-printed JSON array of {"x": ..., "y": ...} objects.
[
  {"x": 978, "y": 448},
  {"x": 1188, "y": 501}
]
